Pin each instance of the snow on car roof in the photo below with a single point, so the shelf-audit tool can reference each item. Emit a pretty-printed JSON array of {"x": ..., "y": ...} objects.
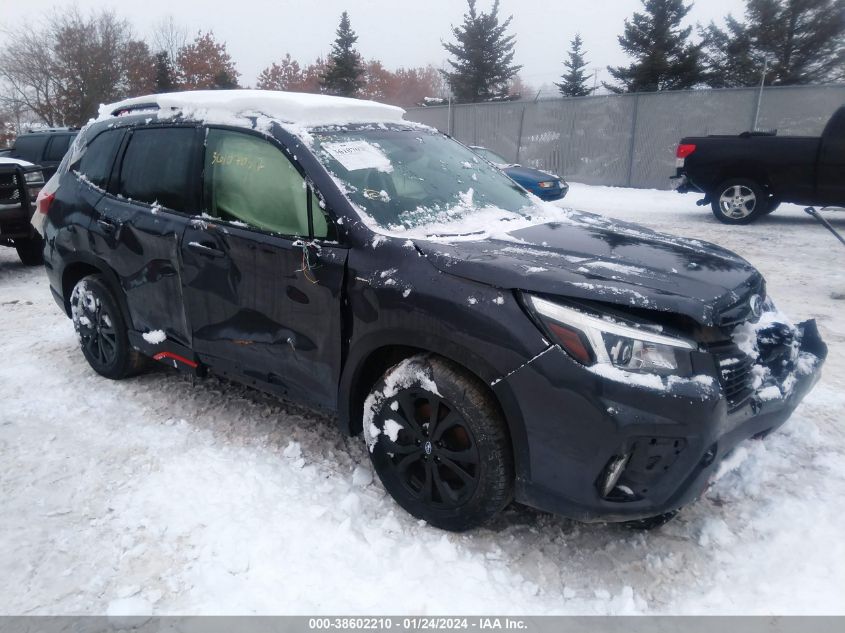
[{"x": 291, "y": 107}]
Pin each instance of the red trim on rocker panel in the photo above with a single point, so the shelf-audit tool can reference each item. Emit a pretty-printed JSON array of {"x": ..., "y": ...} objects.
[{"x": 173, "y": 356}]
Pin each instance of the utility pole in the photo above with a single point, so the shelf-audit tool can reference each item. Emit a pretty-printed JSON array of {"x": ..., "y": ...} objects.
[{"x": 595, "y": 80}]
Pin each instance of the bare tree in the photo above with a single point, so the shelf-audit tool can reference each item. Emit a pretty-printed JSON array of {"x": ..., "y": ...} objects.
[
  {"x": 65, "y": 69},
  {"x": 28, "y": 75},
  {"x": 169, "y": 37}
]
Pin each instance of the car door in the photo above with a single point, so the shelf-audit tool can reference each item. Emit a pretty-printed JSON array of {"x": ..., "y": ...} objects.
[
  {"x": 262, "y": 283},
  {"x": 139, "y": 224}
]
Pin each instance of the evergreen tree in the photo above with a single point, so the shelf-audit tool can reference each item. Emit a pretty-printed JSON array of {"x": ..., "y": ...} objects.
[
  {"x": 165, "y": 77},
  {"x": 664, "y": 58},
  {"x": 801, "y": 41},
  {"x": 483, "y": 54},
  {"x": 344, "y": 73},
  {"x": 574, "y": 81}
]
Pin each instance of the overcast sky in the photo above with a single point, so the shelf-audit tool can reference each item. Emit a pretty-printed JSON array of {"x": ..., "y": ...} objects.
[{"x": 398, "y": 32}]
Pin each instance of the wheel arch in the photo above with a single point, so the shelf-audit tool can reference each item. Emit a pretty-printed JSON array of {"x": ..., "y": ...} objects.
[
  {"x": 85, "y": 265},
  {"x": 376, "y": 354}
]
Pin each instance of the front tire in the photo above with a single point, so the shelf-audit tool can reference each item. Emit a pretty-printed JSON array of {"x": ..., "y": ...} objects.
[
  {"x": 102, "y": 331},
  {"x": 739, "y": 201},
  {"x": 30, "y": 250},
  {"x": 439, "y": 443}
]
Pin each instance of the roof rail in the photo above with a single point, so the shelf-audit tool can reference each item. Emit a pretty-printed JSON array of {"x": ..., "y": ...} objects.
[
  {"x": 50, "y": 129},
  {"x": 152, "y": 105}
]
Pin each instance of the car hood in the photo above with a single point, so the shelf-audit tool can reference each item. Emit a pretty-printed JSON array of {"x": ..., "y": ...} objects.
[
  {"x": 591, "y": 257},
  {"x": 527, "y": 174},
  {"x": 5, "y": 160}
]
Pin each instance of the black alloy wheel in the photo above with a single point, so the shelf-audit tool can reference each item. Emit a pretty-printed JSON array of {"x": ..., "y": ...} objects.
[
  {"x": 438, "y": 443},
  {"x": 434, "y": 455},
  {"x": 101, "y": 329}
]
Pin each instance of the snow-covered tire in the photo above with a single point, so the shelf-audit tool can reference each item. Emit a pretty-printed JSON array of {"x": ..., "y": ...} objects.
[
  {"x": 739, "y": 201},
  {"x": 102, "y": 331},
  {"x": 439, "y": 444},
  {"x": 30, "y": 250}
]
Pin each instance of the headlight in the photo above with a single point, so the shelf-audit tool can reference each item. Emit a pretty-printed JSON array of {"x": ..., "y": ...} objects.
[
  {"x": 549, "y": 184},
  {"x": 34, "y": 178},
  {"x": 592, "y": 340}
]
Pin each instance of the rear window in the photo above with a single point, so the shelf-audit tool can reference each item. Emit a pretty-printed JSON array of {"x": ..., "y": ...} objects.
[
  {"x": 58, "y": 147},
  {"x": 96, "y": 162},
  {"x": 29, "y": 147},
  {"x": 159, "y": 167}
]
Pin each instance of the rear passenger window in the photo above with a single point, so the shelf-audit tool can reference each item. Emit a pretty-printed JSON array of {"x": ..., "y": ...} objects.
[
  {"x": 249, "y": 180},
  {"x": 58, "y": 147},
  {"x": 29, "y": 147},
  {"x": 98, "y": 158},
  {"x": 158, "y": 167}
]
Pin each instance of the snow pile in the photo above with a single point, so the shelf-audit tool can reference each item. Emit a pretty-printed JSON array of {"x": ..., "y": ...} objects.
[
  {"x": 292, "y": 107},
  {"x": 154, "y": 337}
]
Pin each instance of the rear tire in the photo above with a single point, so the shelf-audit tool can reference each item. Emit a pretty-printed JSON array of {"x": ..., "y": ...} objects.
[
  {"x": 439, "y": 443},
  {"x": 739, "y": 201},
  {"x": 102, "y": 331},
  {"x": 30, "y": 250}
]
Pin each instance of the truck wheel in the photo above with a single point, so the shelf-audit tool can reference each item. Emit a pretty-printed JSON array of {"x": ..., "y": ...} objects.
[
  {"x": 439, "y": 443},
  {"x": 739, "y": 201},
  {"x": 101, "y": 329},
  {"x": 30, "y": 250}
]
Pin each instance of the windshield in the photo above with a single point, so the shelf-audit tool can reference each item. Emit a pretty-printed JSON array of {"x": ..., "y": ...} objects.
[
  {"x": 493, "y": 157},
  {"x": 412, "y": 178}
]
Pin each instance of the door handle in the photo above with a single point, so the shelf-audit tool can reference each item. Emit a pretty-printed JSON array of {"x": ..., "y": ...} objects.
[
  {"x": 107, "y": 225},
  {"x": 205, "y": 249}
]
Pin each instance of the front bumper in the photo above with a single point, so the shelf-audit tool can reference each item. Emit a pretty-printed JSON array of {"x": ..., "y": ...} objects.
[{"x": 577, "y": 422}]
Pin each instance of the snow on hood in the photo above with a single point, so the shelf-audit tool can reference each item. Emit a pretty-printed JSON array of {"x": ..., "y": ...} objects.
[
  {"x": 5, "y": 160},
  {"x": 590, "y": 257},
  {"x": 291, "y": 107}
]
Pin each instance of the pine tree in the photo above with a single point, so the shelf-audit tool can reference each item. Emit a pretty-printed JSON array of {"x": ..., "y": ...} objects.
[
  {"x": 165, "y": 77},
  {"x": 344, "y": 73},
  {"x": 574, "y": 81},
  {"x": 664, "y": 57},
  {"x": 483, "y": 54},
  {"x": 801, "y": 41}
]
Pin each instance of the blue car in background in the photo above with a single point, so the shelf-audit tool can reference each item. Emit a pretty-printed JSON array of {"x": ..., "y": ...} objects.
[{"x": 542, "y": 184}]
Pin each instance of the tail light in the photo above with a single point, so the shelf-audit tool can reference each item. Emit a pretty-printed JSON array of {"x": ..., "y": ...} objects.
[
  {"x": 43, "y": 201},
  {"x": 684, "y": 150}
]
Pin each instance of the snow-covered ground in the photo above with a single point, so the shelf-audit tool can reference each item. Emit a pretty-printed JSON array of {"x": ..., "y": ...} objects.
[{"x": 156, "y": 495}]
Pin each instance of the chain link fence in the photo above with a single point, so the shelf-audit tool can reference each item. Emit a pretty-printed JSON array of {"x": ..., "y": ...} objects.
[{"x": 628, "y": 140}]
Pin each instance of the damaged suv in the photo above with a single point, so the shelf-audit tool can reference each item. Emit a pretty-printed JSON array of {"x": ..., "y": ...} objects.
[{"x": 488, "y": 346}]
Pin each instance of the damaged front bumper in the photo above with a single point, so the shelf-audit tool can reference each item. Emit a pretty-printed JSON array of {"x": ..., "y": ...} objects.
[{"x": 611, "y": 450}]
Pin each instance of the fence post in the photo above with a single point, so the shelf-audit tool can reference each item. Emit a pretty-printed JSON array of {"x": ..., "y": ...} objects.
[
  {"x": 519, "y": 136},
  {"x": 631, "y": 147}
]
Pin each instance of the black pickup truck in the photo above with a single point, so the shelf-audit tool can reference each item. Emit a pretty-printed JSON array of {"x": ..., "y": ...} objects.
[{"x": 747, "y": 176}]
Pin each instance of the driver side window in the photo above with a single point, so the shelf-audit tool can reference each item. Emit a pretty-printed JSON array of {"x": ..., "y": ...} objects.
[{"x": 249, "y": 180}]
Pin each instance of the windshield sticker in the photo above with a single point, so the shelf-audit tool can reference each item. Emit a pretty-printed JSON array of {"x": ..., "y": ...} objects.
[{"x": 357, "y": 155}]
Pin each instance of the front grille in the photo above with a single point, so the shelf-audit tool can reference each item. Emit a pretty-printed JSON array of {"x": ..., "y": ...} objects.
[
  {"x": 734, "y": 373},
  {"x": 10, "y": 191}
]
